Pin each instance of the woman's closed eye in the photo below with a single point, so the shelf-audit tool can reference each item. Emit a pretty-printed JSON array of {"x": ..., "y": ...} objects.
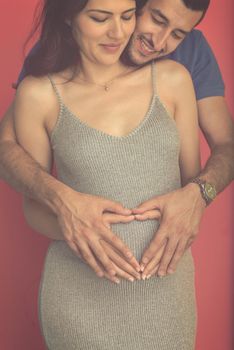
[
  {"x": 99, "y": 20},
  {"x": 129, "y": 17},
  {"x": 102, "y": 20}
]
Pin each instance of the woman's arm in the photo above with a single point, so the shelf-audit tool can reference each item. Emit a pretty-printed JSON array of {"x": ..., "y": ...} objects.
[
  {"x": 169, "y": 244},
  {"x": 31, "y": 110},
  {"x": 176, "y": 90},
  {"x": 186, "y": 117}
]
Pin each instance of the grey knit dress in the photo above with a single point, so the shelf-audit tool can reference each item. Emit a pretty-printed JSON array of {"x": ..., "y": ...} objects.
[{"x": 79, "y": 311}]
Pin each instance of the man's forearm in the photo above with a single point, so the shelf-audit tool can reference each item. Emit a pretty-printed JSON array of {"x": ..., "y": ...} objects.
[
  {"x": 25, "y": 175},
  {"x": 217, "y": 126},
  {"x": 219, "y": 168}
]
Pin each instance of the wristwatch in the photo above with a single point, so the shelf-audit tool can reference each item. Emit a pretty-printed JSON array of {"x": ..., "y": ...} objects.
[{"x": 208, "y": 191}]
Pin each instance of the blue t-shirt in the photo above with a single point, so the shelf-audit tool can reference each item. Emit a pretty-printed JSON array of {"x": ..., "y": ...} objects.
[{"x": 196, "y": 55}]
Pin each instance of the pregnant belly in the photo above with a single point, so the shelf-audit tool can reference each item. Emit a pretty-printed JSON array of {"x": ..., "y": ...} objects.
[{"x": 137, "y": 234}]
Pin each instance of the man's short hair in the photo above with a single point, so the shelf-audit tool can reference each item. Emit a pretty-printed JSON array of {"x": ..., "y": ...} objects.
[
  {"x": 194, "y": 5},
  {"x": 197, "y": 5}
]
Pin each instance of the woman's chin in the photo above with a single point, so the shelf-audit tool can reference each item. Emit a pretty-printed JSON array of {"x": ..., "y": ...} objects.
[{"x": 108, "y": 61}]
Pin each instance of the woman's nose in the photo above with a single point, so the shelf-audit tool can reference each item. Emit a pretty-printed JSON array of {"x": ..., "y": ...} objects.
[{"x": 116, "y": 30}]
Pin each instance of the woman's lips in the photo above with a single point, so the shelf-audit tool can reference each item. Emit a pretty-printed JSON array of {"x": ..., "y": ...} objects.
[{"x": 111, "y": 48}]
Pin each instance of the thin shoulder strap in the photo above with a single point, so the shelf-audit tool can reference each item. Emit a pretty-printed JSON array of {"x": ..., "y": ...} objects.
[
  {"x": 55, "y": 89},
  {"x": 154, "y": 77}
]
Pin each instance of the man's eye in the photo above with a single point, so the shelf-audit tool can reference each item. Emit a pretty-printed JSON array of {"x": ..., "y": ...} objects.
[
  {"x": 99, "y": 20},
  {"x": 176, "y": 36},
  {"x": 155, "y": 20}
]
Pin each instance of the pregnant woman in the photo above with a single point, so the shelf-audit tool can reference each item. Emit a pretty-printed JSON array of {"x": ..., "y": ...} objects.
[{"x": 119, "y": 133}]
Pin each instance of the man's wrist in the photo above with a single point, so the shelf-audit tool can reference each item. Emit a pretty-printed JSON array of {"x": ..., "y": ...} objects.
[
  {"x": 54, "y": 194},
  {"x": 207, "y": 190},
  {"x": 195, "y": 193}
]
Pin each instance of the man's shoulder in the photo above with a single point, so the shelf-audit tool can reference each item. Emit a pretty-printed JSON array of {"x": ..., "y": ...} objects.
[
  {"x": 194, "y": 41},
  {"x": 194, "y": 53},
  {"x": 195, "y": 35},
  {"x": 197, "y": 56}
]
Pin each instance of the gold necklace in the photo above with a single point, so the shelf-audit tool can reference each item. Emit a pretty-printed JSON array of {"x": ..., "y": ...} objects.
[{"x": 107, "y": 84}]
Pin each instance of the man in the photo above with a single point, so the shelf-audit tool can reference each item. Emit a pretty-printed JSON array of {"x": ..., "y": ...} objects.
[{"x": 162, "y": 26}]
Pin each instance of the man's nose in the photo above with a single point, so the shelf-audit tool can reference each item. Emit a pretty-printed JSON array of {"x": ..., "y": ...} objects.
[{"x": 160, "y": 41}]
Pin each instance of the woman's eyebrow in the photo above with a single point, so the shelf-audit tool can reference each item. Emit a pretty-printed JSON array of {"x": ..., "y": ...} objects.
[{"x": 110, "y": 13}]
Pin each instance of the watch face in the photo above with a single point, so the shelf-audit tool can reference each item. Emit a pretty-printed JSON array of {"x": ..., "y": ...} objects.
[{"x": 210, "y": 191}]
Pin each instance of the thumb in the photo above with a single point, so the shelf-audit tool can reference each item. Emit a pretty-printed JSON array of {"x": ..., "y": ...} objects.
[
  {"x": 110, "y": 218},
  {"x": 148, "y": 215},
  {"x": 151, "y": 204},
  {"x": 117, "y": 208}
]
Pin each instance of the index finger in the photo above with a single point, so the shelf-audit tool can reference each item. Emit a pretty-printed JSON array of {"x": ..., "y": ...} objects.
[
  {"x": 153, "y": 248},
  {"x": 117, "y": 243}
]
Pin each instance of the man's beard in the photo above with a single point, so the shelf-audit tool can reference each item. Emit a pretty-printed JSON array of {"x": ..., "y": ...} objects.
[{"x": 129, "y": 57}]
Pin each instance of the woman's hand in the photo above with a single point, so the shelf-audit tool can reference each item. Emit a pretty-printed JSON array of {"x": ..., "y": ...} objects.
[
  {"x": 123, "y": 268},
  {"x": 81, "y": 218}
]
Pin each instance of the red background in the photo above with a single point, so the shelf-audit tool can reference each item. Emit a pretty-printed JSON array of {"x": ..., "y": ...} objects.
[{"x": 22, "y": 251}]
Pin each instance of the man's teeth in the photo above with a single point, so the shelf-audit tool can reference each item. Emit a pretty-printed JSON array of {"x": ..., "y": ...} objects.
[{"x": 146, "y": 46}]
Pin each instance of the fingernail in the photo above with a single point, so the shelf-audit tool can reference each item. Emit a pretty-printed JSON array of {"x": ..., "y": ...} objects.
[
  {"x": 148, "y": 277},
  {"x": 117, "y": 281},
  {"x": 142, "y": 267},
  {"x": 143, "y": 277},
  {"x": 100, "y": 274},
  {"x": 131, "y": 279},
  {"x": 161, "y": 273}
]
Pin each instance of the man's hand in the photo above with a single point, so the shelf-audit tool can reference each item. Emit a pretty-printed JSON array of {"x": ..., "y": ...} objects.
[
  {"x": 80, "y": 217},
  {"x": 181, "y": 214}
]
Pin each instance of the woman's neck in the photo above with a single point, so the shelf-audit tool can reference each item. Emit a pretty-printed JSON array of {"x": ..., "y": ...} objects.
[{"x": 100, "y": 74}]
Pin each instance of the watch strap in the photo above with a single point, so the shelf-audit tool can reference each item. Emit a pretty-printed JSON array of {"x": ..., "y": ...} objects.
[{"x": 202, "y": 184}]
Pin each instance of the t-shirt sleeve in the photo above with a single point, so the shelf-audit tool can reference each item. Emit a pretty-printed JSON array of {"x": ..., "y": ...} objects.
[
  {"x": 206, "y": 75},
  {"x": 196, "y": 55}
]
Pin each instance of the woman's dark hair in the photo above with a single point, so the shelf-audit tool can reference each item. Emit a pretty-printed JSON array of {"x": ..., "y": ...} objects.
[{"x": 57, "y": 48}]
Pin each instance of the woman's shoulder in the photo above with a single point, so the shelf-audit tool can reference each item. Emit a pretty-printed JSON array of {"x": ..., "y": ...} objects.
[
  {"x": 37, "y": 94},
  {"x": 174, "y": 83},
  {"x": 36, "y": 88},
  {"x": 172, "y": 73}
]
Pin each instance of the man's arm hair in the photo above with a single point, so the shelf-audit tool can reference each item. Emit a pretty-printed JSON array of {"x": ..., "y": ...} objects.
[{"x": 22, "y": 172}]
